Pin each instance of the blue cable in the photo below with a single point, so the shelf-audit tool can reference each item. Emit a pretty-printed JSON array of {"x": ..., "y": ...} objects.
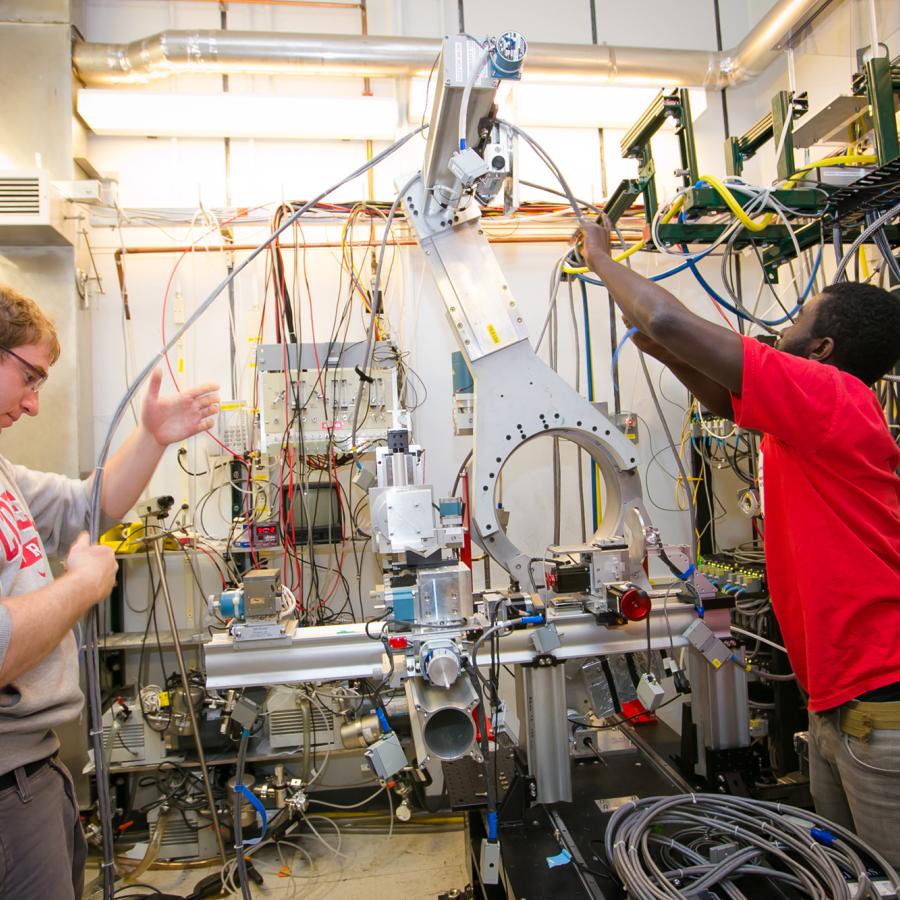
[
  {"x": 615, "y": 357},
  {"x": 254, "y": 801},
  {"x": 691, "y": 264},
  {"x": 625, "y": 338},
  {"x": 681, "y": 267}
]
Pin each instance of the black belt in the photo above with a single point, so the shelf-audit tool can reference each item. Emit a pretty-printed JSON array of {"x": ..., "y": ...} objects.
[
  {"x": 887, "y": 694},
  {"x": 8, "y": 779}
]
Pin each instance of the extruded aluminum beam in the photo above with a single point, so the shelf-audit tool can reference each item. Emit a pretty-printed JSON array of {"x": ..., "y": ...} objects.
[{"x": 341, "y": 652}]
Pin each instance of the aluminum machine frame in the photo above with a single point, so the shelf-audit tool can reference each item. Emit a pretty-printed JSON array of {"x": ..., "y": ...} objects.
[{"x": 517, "y": 398}]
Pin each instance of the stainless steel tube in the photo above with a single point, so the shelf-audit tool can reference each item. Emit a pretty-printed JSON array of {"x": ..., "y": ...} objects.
[{"x": 182, "y": 668}]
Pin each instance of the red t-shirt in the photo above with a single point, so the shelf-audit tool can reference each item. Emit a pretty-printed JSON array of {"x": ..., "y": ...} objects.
[{"x": 831, "y": 501}]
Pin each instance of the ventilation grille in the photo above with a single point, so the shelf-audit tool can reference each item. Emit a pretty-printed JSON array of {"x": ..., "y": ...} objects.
[
  {"x": 20, "y": 195},
  {"x": 283, "y": 722},
  {"x": 178, "y": 831},
  {"x": 129, "y": 740}
]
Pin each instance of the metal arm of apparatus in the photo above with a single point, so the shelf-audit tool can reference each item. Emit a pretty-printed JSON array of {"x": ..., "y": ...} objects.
[{"x": 518, "y": 397}]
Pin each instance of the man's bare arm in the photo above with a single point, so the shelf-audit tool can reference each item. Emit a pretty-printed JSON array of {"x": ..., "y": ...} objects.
[
  {"x": 711, "y": 394},
  {"x": 707, "y": 348}
]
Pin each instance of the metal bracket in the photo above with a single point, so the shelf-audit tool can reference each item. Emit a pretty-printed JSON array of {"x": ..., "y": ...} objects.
[
  {"x": 517, "y": 396},
  {"x": 542, "y": 661},
  {"x": 787, "y": 107}
]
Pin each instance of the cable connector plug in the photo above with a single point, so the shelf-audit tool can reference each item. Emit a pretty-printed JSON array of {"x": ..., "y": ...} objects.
[{"x": 823, "y": 836}]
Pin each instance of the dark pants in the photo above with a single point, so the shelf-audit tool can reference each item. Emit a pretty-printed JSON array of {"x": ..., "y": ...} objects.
[{"x": 42, "y": 846}]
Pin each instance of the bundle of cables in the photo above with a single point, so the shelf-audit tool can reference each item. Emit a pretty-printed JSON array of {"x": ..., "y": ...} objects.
[{"x": 701, "y": 845}]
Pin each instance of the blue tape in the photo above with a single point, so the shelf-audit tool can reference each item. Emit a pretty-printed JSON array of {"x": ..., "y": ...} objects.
[
  {"x": 531, "y": 620},
  {"x": 382, "y": 719},
  {"x": 492, "y": 826},
  {"x": 561, "y": 859},
  {"x": 256, "y": 803},
  {"x": 823, "y": 836},
  {"x": 462, "y": 144}
]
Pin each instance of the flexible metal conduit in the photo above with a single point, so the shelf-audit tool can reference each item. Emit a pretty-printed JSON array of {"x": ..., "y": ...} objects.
[{"x": 268, "y": 53}]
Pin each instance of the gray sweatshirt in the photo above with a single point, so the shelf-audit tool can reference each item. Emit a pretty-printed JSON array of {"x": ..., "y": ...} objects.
[{"x": 41, "y": 514}]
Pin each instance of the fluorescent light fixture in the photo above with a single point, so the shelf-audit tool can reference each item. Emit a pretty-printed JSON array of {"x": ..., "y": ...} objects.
[
  {"x": 148, "y": 114},
  {"x": 532, "y": 104}
]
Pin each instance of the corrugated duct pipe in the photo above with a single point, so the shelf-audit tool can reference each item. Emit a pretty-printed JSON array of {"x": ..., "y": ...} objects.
[{"x": 267, "y": 53}]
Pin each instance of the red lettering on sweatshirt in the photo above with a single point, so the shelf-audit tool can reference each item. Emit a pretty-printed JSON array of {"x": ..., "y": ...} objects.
[{"x": 18, "y": 535}]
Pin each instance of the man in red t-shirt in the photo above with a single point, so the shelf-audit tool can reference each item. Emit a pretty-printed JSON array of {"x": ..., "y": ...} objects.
[{"x": 831, "y": 501}]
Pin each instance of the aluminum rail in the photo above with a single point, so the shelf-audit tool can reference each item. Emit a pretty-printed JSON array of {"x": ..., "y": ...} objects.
[
  {"x": 171, "y": 53},
  {"x": 341, "y": 652}
]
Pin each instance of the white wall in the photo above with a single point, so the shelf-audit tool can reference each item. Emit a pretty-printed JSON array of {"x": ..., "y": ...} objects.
[
  {"x": 185, "y": 174},
  {"x": 824, "y": 63}
]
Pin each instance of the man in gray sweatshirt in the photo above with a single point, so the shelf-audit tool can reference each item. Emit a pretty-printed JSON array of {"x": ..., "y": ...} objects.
[{"x": 42, "y": 848}]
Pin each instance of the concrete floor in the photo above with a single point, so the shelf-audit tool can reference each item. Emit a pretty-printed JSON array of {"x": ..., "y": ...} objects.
[{"x": 372, "y": 867}]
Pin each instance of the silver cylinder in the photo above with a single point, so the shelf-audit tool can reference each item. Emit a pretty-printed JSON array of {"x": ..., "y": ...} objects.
[
  {"x": 442, "y": 723},
  {"x": 362, "y": 732},
  {"x": 181, "y": 719},
  {"x": 248, "y": 812}
]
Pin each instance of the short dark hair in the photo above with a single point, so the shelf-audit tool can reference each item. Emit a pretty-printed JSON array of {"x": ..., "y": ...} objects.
[{"x": 864, "y": 323}]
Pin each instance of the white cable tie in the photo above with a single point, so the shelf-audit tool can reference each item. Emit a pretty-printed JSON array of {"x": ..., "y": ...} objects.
[{"x": 693, "y": 798}]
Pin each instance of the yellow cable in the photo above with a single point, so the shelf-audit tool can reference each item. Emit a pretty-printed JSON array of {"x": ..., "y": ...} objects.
[
  {"x": 732, "y": 203},
  {"x": 857, "y": 159},
  {"x": 634, "y": 248},
  {"x": 863, "y": 262},
  {"x": 347, "y": 258}
]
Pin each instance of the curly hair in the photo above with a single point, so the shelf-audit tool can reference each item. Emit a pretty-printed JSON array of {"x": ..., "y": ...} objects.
[
  {"x": 23, "y": 322},
  {"x": 864, "y": 323}
]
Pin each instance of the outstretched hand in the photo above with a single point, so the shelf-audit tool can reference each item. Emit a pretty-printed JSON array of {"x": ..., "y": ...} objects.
[
  {"x": 177, "y": 417},
  {"x": 595, "y": 239}
]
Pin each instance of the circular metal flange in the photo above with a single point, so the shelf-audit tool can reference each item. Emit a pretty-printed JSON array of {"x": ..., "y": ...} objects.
[{"x": 517, "y": 399}]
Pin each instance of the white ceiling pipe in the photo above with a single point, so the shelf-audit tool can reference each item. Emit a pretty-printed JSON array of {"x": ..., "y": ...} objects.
[{"x": 267, "y": 53}]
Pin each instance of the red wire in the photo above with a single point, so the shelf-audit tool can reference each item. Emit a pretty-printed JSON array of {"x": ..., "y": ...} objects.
[
  {"x": 722, "y": 314},
  {"x": 206, "y": 552},
  {"x": 242, "y": 213}
]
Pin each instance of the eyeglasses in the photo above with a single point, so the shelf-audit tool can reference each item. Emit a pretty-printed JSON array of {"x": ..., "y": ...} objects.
[{"x": 35, "y": 378}]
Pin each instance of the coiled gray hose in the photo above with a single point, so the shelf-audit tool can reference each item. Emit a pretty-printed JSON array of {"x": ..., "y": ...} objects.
[
  {"x": 878, "y": 223},
  {"x": 689, "y": 844}
]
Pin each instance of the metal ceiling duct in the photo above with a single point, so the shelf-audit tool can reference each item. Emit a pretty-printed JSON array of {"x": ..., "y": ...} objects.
[{"x": 267, "y": 53}]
